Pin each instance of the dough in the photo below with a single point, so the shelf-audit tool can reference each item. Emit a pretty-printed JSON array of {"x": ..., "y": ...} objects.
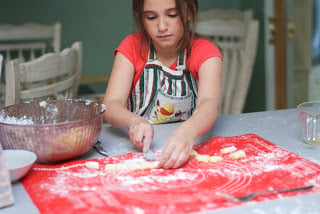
[
  {"x": 202, "y": 158},
  {"x": 205, "y": 158},
  {"x": 132, "y": 167},
  {"x": 92, "y": 165},
  {"x": 110, "y": 167},
  {"x": 238, "y": 154},
  {"x": 208, "y": 158},
  {"x": 150, "y": 164},
  {"x": 228, "y": 150},
  {"x": 43, "y": 104},
  {"x": 215, "y": 159}
]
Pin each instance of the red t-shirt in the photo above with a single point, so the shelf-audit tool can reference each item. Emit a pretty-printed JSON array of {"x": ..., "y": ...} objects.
[{"x": 201, "y": 50}]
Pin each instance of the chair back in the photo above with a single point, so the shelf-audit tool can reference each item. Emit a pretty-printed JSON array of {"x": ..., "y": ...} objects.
[
  {"x": 51, "y": 76},
  {"x": 236, "y": 34},
  {"x": 29, "y": 40}
]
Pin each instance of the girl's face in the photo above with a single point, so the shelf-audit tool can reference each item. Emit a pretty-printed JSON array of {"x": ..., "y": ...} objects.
[{"x": 162, "y": 23}]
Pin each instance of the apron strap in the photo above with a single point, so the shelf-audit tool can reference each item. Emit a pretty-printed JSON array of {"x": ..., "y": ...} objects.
[
  {"x": 181, "y": 62},
  {"x": 151, "y": 53}
]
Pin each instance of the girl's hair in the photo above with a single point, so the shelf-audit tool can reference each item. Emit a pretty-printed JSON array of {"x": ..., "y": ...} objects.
[{"x": 188, "y": 13}]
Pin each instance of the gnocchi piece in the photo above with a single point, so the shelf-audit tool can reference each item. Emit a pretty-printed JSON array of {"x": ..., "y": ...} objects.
[
  {"x": 228, "y": 150},
  {"x": 238, "y": 154},
  {"x": 92, "y": 165},
  {"x": 215, "y": 159},
  {"x": 202, "y": 158}
]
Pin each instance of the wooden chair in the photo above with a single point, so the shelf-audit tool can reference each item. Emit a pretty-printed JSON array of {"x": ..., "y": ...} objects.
[
  {"x": 236, "y": 34},
  {"x": 29, "y": 41},
  {"x": 51, "y": 76}
]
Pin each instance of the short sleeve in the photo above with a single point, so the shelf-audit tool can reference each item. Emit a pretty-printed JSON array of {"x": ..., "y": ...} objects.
[
  {"x": 127, "y": 48},
  {"x": 201, "y": 51},
  {"x": 135, "y": 52}
]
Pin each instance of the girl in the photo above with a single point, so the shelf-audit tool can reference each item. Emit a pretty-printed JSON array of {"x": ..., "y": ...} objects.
[{"x": 165, "y": 73}]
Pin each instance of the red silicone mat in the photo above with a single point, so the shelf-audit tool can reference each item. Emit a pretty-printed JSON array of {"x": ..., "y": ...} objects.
[{"x": 73, "y": 188}]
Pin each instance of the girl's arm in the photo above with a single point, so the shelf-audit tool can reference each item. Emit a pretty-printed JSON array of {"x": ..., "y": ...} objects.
[
  {"x": 115, "y": 99},
  {"x": 180, "y": 141}
]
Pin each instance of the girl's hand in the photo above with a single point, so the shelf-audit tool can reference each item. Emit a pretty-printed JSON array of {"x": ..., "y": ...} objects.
[
  {"x": 141, "y": 133},
  {"x": 177, "y": 149}
]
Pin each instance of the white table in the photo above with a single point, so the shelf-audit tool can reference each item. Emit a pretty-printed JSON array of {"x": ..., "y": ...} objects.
[{"x": 280, "y": 127}]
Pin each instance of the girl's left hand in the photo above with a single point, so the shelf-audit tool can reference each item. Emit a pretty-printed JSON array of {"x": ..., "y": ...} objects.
[{"x": 177, "y": 149}]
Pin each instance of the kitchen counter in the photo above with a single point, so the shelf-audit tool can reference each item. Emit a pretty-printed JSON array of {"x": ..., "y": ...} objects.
[{"x": 279, "y": 127}]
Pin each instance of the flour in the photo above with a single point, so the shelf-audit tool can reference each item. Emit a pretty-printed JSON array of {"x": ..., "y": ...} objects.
[
  {"x": 46, "y": 113},
  {"x": 48, "y": 117},
  {"x": 62, "y": 185},
  {"x": 177, "y": 176},
  {"x": 16, "y": 121}
]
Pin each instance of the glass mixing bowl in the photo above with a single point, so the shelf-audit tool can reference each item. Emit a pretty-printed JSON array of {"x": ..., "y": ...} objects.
[{"x": 55, "y": 130}]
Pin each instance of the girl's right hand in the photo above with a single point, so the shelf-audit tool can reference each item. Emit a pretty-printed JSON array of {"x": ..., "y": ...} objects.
[{"x": 141, "y": 133}]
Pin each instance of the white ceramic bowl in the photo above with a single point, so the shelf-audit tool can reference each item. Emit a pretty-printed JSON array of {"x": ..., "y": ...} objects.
[{"x": 19, "y": 162}]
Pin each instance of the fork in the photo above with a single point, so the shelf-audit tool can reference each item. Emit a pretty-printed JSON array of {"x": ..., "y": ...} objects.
[
  {"x": 255, "y": 194},
  {"x": 98, "y": 146}
]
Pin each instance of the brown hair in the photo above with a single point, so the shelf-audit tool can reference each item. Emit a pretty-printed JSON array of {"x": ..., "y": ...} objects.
[{"x": 186, "y": 9}]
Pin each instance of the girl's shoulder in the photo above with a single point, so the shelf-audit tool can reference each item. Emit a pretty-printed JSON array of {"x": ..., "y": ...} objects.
[
  {"x": 132, "y": 40},
  {"x": 201, "y": 50},
  {"x": 132, "y": 48},
  {"x": 201, "y": 43}
]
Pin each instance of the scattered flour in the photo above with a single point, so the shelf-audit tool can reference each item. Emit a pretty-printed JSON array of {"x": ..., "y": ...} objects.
[{"x": 16, "y": 121}]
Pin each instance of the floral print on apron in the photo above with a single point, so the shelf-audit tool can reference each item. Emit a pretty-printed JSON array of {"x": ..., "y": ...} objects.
[{"x": 163, "y": 95}]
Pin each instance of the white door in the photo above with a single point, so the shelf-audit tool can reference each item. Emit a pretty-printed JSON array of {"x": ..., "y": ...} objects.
[
  {"x": 296, "y": 65},
  {"x": 298, "y": 58},
  {"x": 269, "y": 55},
  {"x": 314, "y": 77}
]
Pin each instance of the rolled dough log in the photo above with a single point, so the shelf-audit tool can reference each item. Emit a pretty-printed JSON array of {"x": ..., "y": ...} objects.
[{"x": 132, "y": 167}]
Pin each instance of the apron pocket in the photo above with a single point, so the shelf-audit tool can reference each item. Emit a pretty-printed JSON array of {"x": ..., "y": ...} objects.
[{"x": 166, "y": 108}]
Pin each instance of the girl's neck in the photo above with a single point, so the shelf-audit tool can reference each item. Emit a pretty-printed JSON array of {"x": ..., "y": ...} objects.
[{"x": 167, "y": 57}]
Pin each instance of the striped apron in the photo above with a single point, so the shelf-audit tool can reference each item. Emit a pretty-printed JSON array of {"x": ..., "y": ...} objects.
[{"x": 163, "y": 95}]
